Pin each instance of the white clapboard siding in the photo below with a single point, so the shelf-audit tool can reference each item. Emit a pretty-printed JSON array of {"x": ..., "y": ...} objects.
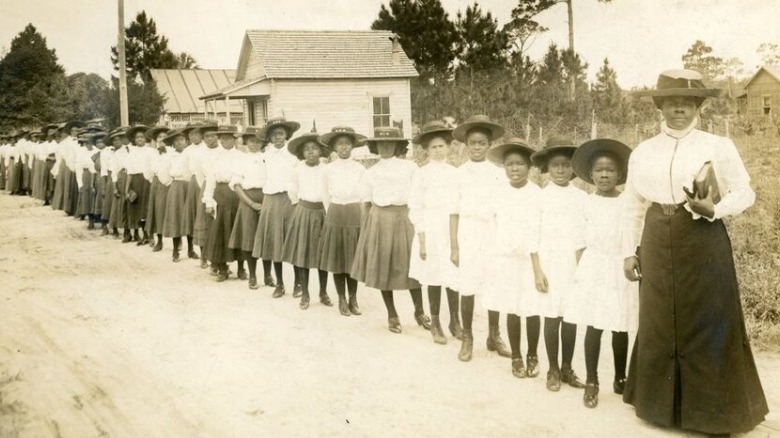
[{"x": 339, "y": 102}]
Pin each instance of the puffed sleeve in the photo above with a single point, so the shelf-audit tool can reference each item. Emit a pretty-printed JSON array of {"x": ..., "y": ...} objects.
[
  {"x": 633, "y": 212},
  {"x": 734, "y": 180},
  {"x": 417, "y": 201}
]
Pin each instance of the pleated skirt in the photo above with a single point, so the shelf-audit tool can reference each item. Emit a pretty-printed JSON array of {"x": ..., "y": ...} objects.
[
  {"x": 383, "y": 250},
  {"x": 217, "y": 244},
  {"x": 202, "y": 220},
  {"x": 2, "y": 174},
  {"x": 38, "y": 179},
  {"x": 100, "y": 190},
  {"x": 302, "y": 241},
  {"x": 49, "y": 181},
  {"x": 272, "y": 227},
  {"x": 136, "y": 211},
  {"x": 86, "y": 198},
  {"x": 14, "y": 182},
  {"x": 26, "y": 176},
  {"x": 191, "y": 202},
  {"x": 118, "y": 217},
  {"x": 175, "y": 210},
  {"x": 108, "y": 197},
  {"x": 244, "y": 228},
  {"x": 339, "y": 238},
  {"x": 57, "y": 199},
  {"x": 160, "y": 203},
  {"x": 73, "y": 199},
  {"x": 149, "y": 224}
]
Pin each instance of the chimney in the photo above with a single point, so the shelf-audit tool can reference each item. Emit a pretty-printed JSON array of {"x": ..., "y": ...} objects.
[{"x": 396, "y": 49}]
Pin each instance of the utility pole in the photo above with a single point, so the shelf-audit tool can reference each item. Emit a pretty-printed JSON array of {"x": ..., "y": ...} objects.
[
  {"x": 124, "y": 115},
  {"x": 572, "y": 85}
]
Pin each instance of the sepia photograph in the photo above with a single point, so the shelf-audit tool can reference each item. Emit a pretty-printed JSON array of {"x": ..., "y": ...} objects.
[{"x": 380, "y": 218}]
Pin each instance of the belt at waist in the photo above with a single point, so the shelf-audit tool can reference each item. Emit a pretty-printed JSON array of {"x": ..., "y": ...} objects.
[
  {"x": 391, "y": 207},
  {"x": 311, "y": 205},
  {"x": 667, "y": 209}
]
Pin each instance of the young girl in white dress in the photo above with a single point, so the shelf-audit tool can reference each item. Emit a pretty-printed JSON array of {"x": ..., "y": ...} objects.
[
  {"x": 560, "y": 245},
  {"x": 601, "y": 296},
  {"x": 516, "y": 208},
  {"x": 432, "y": 199}
]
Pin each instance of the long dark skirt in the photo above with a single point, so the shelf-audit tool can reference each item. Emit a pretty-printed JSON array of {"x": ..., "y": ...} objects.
[
  {"x": 14, "y": 182},
  {"x": 35, "y": 179},
  {"x": 118, "y": 217},
  {"x": 272, "y": 226},
  {"x": 191, "y": 203},
  {"x": 175, "y": 210},
  {"x": 108, "y": 197},
  {"x": 2, "y": 173},
  {"x": 49, "y": 180},
  {"x": 383, "y": 250},
  {"x": 26, "y": 176},
  {"x": 136, "y": 211},
  {"x": 86, "y": 194},
  {"x": 217, "y": 249},
  {"x": 692, "y": 366},
  {"x": 73, "y": 199},
  {"x": 58, "y": 196},
  {"x": 160, "y": 201},
  {"x": 340, "y": 236},
  {"x": 244, "y": 228},
  {"x": 202, "y": 220},
  {"x": 303, "y": 236},
  {"x": 100, "y": 189},
  {"x": 151, "y": 195}
]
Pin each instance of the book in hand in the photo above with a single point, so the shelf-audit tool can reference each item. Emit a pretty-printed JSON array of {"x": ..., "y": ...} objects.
[{"x": 705, "y": 182}]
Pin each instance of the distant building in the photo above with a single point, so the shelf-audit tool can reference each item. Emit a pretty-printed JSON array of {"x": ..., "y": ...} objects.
[
  {"x": 355, "y": 78},
  {"x": 762, "y": 93},
  {"x": 183, "y": 89}
]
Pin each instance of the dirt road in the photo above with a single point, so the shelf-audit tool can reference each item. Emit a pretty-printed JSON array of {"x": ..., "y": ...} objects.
[{"x": 103, "y": 339}]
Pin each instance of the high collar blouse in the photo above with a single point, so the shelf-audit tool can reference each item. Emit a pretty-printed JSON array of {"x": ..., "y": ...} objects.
[
  {"x": 219, "y": 166},
  {"x": 178, "y": 166},
  {"x": 280, "y": 164},
  {"x": 433, "y": 192},
  {"x": 194, "y": 154},
  {"x": 307, "y": 183},
  {"x": 660, "y": 167},
  {"x": 252, "y": 172},
  {"x": 388, "y": 182},
  {"x": 342, "y": 181}
]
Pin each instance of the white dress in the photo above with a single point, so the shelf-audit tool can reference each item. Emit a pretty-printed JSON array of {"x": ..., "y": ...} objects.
[
  {"x": 561, "y": 234},
  {"x": 477, "y": 183},
  {"x": 433, "y": 198},
  {"x": 600, "y": 295},
  {"x": 516, "y": 216}
]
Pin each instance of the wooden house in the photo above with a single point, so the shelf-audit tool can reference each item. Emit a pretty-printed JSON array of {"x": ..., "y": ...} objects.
[
  {"x": 183, "y": 89},
  {"x": 762, "y": 93},
  {"x": 355, "y": 78}
]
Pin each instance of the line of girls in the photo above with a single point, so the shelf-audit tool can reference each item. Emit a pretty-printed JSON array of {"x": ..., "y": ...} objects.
[{"x": 547, "y": 255}]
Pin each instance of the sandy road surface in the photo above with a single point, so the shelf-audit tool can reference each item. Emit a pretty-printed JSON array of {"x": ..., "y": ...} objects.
[{"x": 103, "y": 339}]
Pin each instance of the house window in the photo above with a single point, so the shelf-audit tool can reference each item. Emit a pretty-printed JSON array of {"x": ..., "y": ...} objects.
[
  {"x": 381, "y": 111},
  {"x": 767, "y": 100}
]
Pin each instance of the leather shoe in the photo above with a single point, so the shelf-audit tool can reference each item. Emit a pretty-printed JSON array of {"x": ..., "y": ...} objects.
[
  {"x": 353, "y": 306},
  {"x": 158, "y": 247},
  {"x": 304, "y": 304},
  {"x": 343, "y": 307},
  {"x": 518, "y": 370},
  {"x": 204, "y": 264},
  {"x": 394, "y": 325},
  {"x": 253, "y": 283},
  {"x": 297, "y": 291},
  {"x": 242, "y": 275},
  {"x": 466, "y": 347},
  {"x": 455, "y": 329},
  {"x": 176, "y": 257},
  {"x": 619, "y": 385},
  {"x": 278, "y": 292},
  {"x": 193, "y": 255},
  {"x": 495, "y": 343},
  {"x": 591, "y": 397},
  {"x": 554, "y": 380},
  {"x": 325, "y": 300},
  {"x": 570, "y": 378},
  {"x": 532, "y": 370},
  {"x": 423, "y": 321},
  {"x": 269, "y": 281},
  {"x": 437, "y": 332}
]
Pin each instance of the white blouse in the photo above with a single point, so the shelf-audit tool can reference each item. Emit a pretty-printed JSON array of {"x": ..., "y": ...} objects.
[
  {"x": 105, "y": 160},
  {"x": 433, "y": 191},
  {"x": 342, "y": 181},
  {"x": 252, "y": 171},
  {"x": 194, "y": 157},
  {"x": 280, "y": 164},
  {"x": 307, "y": 183},
  {"x": 661, "y": 166},
  {"x": 388, "y": 182},
  {"x": 118, "y": 159},
  {"x": 162, "y": 166},
  {"x": 84, "y": 162},
  {"x": 219, "y": 166},
  {"x": 179, "y": 166},
  {"x": 476, "y": 182},
  {"x": 138, "y": 161}
]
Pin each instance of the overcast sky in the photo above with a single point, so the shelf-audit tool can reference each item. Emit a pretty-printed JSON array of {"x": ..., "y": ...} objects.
[{"x": 640, "y": 37}]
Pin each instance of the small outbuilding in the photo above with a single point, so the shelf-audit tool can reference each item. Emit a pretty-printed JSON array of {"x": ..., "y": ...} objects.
[
  {"x": 355, "y": 78},
  {"x": 762, "y": 92}
]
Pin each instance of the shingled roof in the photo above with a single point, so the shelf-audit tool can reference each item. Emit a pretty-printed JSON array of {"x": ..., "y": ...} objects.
[
  {"x": 184, "y": 88},
  {"x": 298, "y": 54}
]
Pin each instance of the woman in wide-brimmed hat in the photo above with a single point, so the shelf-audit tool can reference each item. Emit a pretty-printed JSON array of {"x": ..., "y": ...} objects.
[
  {"x": 275, "y": 213},
  {"x": 560, "y": 242},
  {"x": 155, "y": 208},
  {"x": 85, "y": 166},
  {"x": 515, "y": 208},
  {"x": 385, "y": 244},
  {"x": 471, "y": 234},
  {"x": 179, "y": 174},
  {"x": 70, "y": 148},
  {"x": 248, "y": 184},
  {"x": 308, "y": 196},
  {"x": 195, "y": 217},
  {"x": 341, "y": 230},
  {"x": 138, "y": 176},
  {"x": 432, "y": 200},
  {"x": 116, "y": 187},
  {"x": 692, "y": 366}
]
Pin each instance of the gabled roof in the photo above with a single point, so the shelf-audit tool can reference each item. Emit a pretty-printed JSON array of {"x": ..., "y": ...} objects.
[
  {"x": 773, "y": 70},
  {"x": 299, "y": 54},
  {"x": 184, "y": 88}
]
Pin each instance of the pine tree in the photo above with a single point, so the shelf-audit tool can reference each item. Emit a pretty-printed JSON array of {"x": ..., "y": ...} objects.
[
  {"x": 482, "y": 45},
  {"x": 32, "y": 83},
  {"x": 86, "y": 96},
  {"x": 608, "y": 100}
]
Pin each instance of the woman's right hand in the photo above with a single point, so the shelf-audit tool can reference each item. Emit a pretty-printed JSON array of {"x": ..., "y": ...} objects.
[
  {"x": 542, "y": 285},
  {"x": 423, "y": 252},
  {"x": 631, "y": 268},
  {"x": 256, "y": 206}
]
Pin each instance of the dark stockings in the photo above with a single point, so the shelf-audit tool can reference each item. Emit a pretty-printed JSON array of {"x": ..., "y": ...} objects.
[
  {"x": 514, "y": 330},
  {"x": 568, "y": 334},
  {"x": 252, "y": 263},
  {"x": 434, "y": 299},
  {"x": 533, "y": 327},
  {"x": 467, "y": 312},
  {"x": 278, "y": 270},
  {"x": 387, "y": 297},
  {"x": 593, "y": 350},
  {"x": 417, "y": 300}
]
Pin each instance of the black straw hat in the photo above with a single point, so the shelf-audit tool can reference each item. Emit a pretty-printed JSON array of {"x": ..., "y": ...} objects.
[
  {"x": 582, "y": 161},
  {"x": 386, "y": 133},
  {"x": 436, "y": 128},
  {"x": 133, "y": 130},
  {"x": 295, "y": 146},
  {"x": 288, "y": 126},
  {"x": 153, "y": 132},
  {"x": 338, "y": 131},
  {"x": 478, "y": 121},
  {"x": 497, "y": 153},
  {"x": 555, "y": 145},
  {"x": 683, "y": 82}
]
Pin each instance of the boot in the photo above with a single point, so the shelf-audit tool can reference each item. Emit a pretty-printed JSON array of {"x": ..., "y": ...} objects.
[
  {"x": 394, "y": 324},
  {"x": 269, "y": 281},
  {"x": 104, "y": 230},
  {"x": 437, "y": 332},
  {"x": 176, "y": 256},
  {"x": 570, "y": 378},
  {"x": 222, "y": 274},
  {"x": 193, "y": 255},
  {"x": 455, "y": 329},
  {"x": 325, "y": 300},
  {"x": 297, "y": 291},
  {"x": 353, "y": 305},
  {"x": 278, "y": 292},
  {"x": 466, "y": 347},
  {"x": 253, "y": 283},
  {"x": 127, "y": 237},
  {"x": 343, "y": 307},
  {"x": 304, "y": 304},
  {"x": 158, "y": 246},
  {"x": 242, "y": 275},
  {"x": 518, "y": 370},
  {"x": 495, "y": 343}
]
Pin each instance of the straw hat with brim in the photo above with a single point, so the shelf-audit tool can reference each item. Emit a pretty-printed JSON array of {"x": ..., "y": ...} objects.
[
  {"x": 582, "y": 161},
  {"x": 430, "y": 130},
  {"x": 339, "y": 131},
  {"x": 84, "y": 138},
  {"x": 71, "y": 124},
  {"x": 116, "y": 133},
  {"x": 295, "y": 146},
  {"x": 481, "y": 122},
  {"x": 230, "y": 130},
  {"x": 97, "y": 136},
  {"x": 208, "y": 127},
  {"x": 497, "y": 153},
  {"x": 255, "y": 132},
  {"x": 388, "y": 133},
  {"x": 553, "y": 146},
  {"x": 133, "y": 130},
  {"x": 683, "y": 82},
  {"x": 172, "y": 134},
  {"x": 154, "y": 131},
  {"x": 46, "y": 128},
  {"x": 191, "y": 126},
  {"x": 288, "y": 126}
]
